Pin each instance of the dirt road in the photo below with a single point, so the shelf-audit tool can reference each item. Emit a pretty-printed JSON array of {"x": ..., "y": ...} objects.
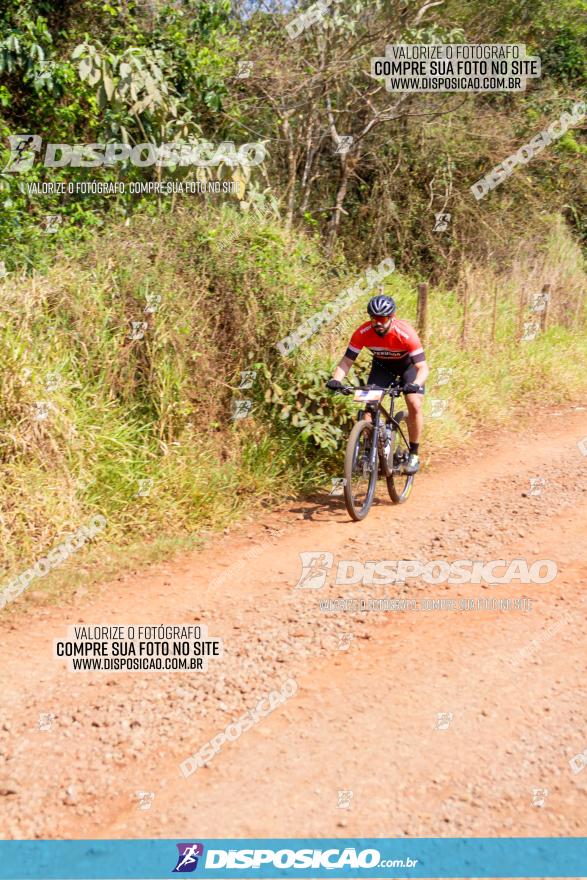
[{"x": 361, "y": 749}]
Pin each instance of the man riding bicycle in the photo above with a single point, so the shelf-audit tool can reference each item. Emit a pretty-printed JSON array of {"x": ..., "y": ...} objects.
[{"x": 397, "y": 354}]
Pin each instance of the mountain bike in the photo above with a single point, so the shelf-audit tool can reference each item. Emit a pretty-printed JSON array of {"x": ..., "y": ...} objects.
[{"x": 379, "y": 447}]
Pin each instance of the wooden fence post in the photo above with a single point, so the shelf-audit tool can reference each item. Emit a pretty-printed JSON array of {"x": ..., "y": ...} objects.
[{"x": 422, "y": 316}]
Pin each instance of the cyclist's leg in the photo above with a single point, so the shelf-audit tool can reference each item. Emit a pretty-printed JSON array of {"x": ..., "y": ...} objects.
[{"x": 415, "y": 402}]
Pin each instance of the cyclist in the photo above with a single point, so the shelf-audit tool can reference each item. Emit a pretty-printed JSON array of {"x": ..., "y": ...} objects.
[{"x": 397, "y": 354}]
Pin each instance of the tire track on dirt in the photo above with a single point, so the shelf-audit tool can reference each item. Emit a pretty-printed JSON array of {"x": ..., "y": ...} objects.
[{"x": 115, "y": 736}]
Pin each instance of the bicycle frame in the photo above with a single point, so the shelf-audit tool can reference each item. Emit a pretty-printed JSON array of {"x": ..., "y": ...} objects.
[{"x": 376, "y": 409}]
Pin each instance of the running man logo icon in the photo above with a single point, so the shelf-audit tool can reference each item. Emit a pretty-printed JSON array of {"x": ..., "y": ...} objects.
[
  {"x": 22, "y": 152},
  {"x": 344, "y": 144},
  {"x": 578, "y": 762},
  {"x": 52, "y": 222},
  {"x": 315, "y": 565},
  {"x": 338, "y": 484},
  {"x": 145, "y": 799},
  {"x": 247, "y": 379},
  {"x": 187, "y": 861},
  {"x": 52, "y": 381},
  {"x": 438, "y": 407},
  {"x": 40, "y": 411},
  {"x": 442, "y": 221},
  {"x": 244, "y": 69},
  {"x": 241, "y": 409},
  {"x": 443, "y": 720},
  {"x": 138, "y": 330},
  {"x": 536, "y": 486},
  {"x": 153, "y": 303},
  {"x": 344, "y": 799},
  {"x": 46, "y": 719},
  {"x": 540, "y": 301},
  {"x": 145, "y": 486},
  {"x": 443, "y": 375},
  {"x": 539, "y": 796},
  {"x": 531, "y": 329}
]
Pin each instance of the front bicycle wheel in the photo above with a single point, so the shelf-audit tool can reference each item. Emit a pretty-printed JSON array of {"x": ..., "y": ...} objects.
[
  {"x": 360, "y": 477},
  {"x": 399, "y": 484}
]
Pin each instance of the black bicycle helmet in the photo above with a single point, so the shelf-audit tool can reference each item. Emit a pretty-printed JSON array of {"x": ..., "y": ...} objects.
[{"x": 381, "y": 306}]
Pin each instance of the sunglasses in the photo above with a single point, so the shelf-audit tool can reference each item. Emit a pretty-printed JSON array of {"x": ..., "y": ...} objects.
[{"x": 380, "y": 320}]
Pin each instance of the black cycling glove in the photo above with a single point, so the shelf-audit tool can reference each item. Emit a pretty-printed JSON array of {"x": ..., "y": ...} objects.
[
  {"x": 413, "y": 388},
  {"x": 334, "y": 385}
]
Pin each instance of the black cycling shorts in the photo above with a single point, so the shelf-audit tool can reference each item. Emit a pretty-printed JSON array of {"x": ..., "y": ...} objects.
[{"x": 384, "y": 374}]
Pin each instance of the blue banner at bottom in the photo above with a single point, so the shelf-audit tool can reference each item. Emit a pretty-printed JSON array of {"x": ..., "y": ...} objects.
[{"x": 294, "y": 857}]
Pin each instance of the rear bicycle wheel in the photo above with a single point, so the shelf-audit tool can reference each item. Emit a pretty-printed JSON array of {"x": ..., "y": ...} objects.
[
  {"x": 399, "y": 485},
  {"x": 360, "y": 477}
]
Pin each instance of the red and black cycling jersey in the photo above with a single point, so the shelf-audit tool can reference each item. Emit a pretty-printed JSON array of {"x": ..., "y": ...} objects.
[{"x": 399, "y": 347}]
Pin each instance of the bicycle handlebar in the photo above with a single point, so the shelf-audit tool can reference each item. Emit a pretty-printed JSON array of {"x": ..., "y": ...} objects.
[{"x": 394, "y": 389}]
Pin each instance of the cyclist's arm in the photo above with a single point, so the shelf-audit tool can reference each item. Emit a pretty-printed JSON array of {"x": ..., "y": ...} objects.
[
  {"x": 422, "y": 374},
  {"x": 342, "y": 368},
  {"x": 418, "y": 358}
]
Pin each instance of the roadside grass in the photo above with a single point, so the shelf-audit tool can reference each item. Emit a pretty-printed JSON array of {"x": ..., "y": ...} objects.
[{"x": 95, "y": 420}]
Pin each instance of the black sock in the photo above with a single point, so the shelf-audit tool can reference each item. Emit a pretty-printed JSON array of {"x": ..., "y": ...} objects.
[{"x": 414, "y": 447}]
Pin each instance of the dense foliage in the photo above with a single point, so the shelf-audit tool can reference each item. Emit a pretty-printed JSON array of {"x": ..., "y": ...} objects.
[
  {"x": 137, "y": 71},
  {"x": 125, "y": 327}
]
